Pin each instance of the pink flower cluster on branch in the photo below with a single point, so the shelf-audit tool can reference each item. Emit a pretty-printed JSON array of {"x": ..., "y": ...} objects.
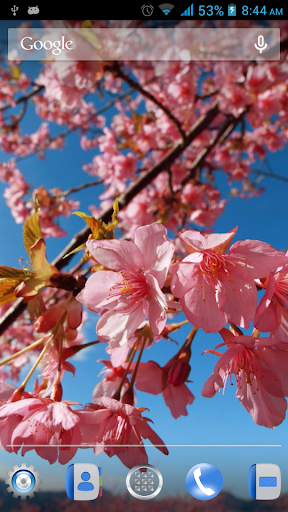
[
  {"x": 134, "y": 286},
  {"x": 213, "y": 288},
  {"x": 161, "y": 267},
  {"x": 260, "y": 369},
  {"x": 52, "y": 204}
]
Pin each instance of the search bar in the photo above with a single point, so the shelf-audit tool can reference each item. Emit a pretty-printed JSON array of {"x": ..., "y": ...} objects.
[{"x": 138, "y": 44}]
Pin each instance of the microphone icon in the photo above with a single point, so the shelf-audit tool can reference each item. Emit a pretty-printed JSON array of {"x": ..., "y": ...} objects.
[{"x": 261, "y": 44}]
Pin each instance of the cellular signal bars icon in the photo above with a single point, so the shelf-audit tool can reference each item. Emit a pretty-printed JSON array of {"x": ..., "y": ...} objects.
[{"x": 189, "y": 11}]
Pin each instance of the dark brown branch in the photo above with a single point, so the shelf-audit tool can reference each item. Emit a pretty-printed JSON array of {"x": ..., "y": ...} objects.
[
  {"x": 118, "y": 71},
  {"x": 223, "y": 133},
  {"x": 25, "y": 98},
  {"x": 123, "y": 200},
  {"x": 145, "y": 179}
]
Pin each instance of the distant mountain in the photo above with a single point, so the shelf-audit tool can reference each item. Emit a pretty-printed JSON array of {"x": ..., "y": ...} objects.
[{"x": 58, "y": 502}]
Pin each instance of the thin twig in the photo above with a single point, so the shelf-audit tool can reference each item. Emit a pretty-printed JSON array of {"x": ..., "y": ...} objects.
[
  {"x": 77, "y": 189},
  {"x": 270, "y": 175},
  {"x": 91, "y": 116}
]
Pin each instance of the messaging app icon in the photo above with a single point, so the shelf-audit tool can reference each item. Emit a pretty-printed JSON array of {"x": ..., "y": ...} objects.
[
  {"x": 204, "y": 481},
  {"x": 264, "y": 481}
]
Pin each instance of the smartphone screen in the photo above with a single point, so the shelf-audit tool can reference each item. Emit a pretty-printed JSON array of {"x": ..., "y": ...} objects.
[{"x": 144, "y": 261}]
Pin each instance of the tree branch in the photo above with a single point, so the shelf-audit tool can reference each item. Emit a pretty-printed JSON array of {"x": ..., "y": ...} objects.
[
  {"x": 223, "y": 133},
  {"x": 91, "y": 116},
  {"x": 118, "y": 71},
  {"x": 78, "y": 188},
  {"x": 25, "y": 98},
  {"x": 123, "y": 200},
  {"x": 270, "y": 175}
]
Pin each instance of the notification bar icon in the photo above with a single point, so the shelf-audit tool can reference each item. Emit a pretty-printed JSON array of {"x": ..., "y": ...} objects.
[
  {"x": 231, "y": 10},
  {"x": 188, "y": 11}
]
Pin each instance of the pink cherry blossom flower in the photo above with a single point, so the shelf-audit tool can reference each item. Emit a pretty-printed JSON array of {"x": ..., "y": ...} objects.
[
  {"x": 119, "y": 424},
  {"x": 143, "y": 336},
  {"x": 208, "y": 216},
  {"x": 214, "y": 287},
  {"x": 8, "y": 424},
  {"x": 49, "y": 369},
  {"x": 110, "y": 384},
  {"x": 260, "y": 369},
  {"x": 272, "y": 311},
  {"x": 170, "y": 381},
  {"x": 43, "y": 422},
  {"x": 131, "y": 290},
  {"x": 233, "y": 99}
]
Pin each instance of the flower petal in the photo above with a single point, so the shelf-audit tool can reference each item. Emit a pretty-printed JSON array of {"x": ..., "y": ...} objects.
[
  {"x": 219, "y": 242},
  {"x": 147, "y": 433},
  {"x": 97, "y": 290},
  {"x": 201, "y": 309},
  {"x": 116, "y": 254},
  {"x": 177, "y": 399},
  {"x": 265, "y": 409},
  {"x": 156, "y": 250},
  {"x": 240, "y": 297},
  {"x": 118, "y": 327},
  {"x": 268, "y": 316},
  {"x": 149, "y": 378},
  {"x": 185, "y": 278},
  {"x": 258, "y": 258}
]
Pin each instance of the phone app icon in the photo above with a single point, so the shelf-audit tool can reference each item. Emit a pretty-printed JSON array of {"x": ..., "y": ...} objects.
[
  {"x": 264, "y": 481},
  {"x": 83, "y": 482},
  {"x": 204, "y": 481}
]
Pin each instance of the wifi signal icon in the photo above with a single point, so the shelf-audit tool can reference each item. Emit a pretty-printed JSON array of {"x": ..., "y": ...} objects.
[{"x": 166, "y": 8}]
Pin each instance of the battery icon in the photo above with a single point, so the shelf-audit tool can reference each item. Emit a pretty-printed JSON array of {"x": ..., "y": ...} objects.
[{"x": 231, "y": 10}]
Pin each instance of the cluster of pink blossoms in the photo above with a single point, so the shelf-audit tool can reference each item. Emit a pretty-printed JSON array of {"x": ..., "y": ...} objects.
[
  {"x": 213, "y": 287},
  {"x": 135, "y": 286},
  {"x": 53, "y": 203},
  {"x": 138, "y": 284},
  {"x": 257, "y": 93}
]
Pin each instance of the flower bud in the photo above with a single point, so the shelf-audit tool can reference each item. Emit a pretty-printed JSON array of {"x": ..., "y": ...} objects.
[
  {"x": 179, "y": 368},
  {"x": 17, "y": 394},
  {"x": 128, "y": 397},
  {"x": 57, "y": 392},
  {"x": 178, "y": 373}
]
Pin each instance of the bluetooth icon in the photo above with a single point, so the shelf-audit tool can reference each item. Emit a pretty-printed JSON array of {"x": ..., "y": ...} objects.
[{"x": 231, "y": 10}]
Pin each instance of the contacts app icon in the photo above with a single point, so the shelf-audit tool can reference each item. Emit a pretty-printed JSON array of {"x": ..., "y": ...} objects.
[
  {"x": 83, "y": 482},
  {"x": 264, "y": 481}
]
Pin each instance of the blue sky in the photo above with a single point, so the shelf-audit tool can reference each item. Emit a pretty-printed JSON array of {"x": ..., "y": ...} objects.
[{"x": 221, "y": 420}]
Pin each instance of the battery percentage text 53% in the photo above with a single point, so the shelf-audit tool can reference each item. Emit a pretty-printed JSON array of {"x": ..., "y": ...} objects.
[{"x": 210, "y": 10}]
